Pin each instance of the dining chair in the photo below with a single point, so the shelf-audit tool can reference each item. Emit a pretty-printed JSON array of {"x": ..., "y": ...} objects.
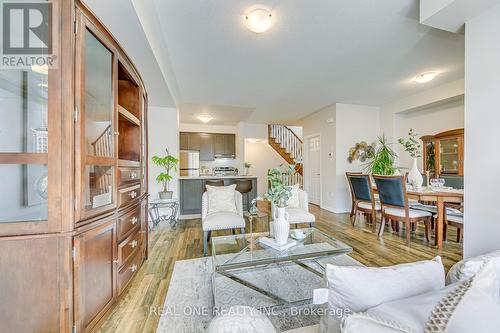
[
  {"x": 453, "y": 216},
  {"x": 352, "y": 193},
  {"x": 394, "y": 203},
  {"x": 363, "y": 197}
]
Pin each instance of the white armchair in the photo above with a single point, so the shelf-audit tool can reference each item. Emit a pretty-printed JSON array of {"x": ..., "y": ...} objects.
[
  {"x": 221, "y": 220},
  {"x": 299, "y": 214}
]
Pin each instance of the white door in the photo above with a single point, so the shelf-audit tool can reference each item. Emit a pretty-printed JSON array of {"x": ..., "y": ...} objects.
[{"x": 314, "y": 170}]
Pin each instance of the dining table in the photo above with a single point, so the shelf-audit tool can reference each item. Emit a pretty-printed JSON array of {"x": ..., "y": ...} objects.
[{"x": 440, "y": 196}]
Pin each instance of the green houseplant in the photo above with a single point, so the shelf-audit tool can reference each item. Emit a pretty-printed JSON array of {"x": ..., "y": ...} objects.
[
  {"x": 279, "y": 194},
  {"x": 247, "y": 166},
  {"x": 169, "y": 164},
  {"x": 382, "y": 162}
]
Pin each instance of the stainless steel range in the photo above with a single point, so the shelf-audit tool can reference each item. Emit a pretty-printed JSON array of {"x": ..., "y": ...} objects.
[{"x": 225, "y": 171}]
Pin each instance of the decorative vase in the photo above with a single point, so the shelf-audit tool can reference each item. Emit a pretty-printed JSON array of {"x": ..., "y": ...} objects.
[
  {"x": 415, "y": 178},
  {"x": 166, "y": 195},
  {"x": 281, "y": 226}
]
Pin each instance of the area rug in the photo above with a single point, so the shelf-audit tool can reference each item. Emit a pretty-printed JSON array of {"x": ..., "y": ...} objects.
[{"x": 189, "y": 304}]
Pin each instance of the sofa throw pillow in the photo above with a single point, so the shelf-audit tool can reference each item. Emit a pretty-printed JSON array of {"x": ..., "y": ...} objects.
[
  {"x": 467, "y": 268},
  {"x": 294, "y": 202},
  {"x": 356, "y": 289},
  {"x": 365, "y": 323},
  {"x": 221, "y": 199},
  {"x": 470, "y": 307}
]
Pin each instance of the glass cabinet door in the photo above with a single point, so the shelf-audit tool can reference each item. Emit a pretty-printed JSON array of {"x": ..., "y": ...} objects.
[
  {"x": 24, "y": 145},
  {"x": 97, "y": 123},
  {"x": 449, "y": 156}
]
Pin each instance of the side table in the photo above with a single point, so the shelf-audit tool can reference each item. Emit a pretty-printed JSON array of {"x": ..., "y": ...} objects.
[{"x": 171, "y": 207}]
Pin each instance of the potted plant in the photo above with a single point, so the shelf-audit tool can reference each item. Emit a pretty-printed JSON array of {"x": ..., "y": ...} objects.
[
  {"x": 382, "y": 162},
  {"x": 247, "y": 167},
  {"x": 279, "y": 194},
  {"x": 412, "y": 146},
  {"x": 169, "y": 163}
]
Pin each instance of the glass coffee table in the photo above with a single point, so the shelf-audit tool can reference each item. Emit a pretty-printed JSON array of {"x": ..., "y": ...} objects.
[{"x": 245, "y": 261}]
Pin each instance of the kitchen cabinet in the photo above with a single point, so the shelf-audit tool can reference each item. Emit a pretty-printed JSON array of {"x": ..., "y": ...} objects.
[
  {"x": 190, "y": 196},
  {"x": 225, "y": 145},
  {"x": 210, "y": 145}
]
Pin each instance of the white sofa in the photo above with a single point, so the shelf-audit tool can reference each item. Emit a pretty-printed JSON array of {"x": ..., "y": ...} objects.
[
  {"x": 479, "y": 276},
  {"x": 298, "y": 214}
]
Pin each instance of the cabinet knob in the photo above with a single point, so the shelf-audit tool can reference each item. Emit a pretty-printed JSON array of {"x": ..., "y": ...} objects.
[
  {"x": 133, "y": 220},
  {"x": 133, "y": 268}
]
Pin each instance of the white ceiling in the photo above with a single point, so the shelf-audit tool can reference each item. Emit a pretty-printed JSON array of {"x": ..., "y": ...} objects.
[{"x": 316, "y": 53}]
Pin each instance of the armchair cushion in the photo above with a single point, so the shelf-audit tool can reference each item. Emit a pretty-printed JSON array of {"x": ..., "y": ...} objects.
[
  {"x": 298, "y": 215},
  {"x": 222, "y": 221},
  {"x": 294, "y": 201},
  {"x": 414, "y": 213},
  {"x": 221, "y": 198}
]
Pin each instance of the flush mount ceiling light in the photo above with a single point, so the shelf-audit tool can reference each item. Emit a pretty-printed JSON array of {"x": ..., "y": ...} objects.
[
  {"x": 258, "y": 20},
  {"x": 205, "y": 118},
  {"x": 425, "y": 77},
  {"x": 252, "y": 140}
]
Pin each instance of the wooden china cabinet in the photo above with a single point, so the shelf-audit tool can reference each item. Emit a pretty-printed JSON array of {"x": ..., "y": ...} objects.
[
  {"x": 73, "y": 161},
  {"x": 443, "y": 153}
]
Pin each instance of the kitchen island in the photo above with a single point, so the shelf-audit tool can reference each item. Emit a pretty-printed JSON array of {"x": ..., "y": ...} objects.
[{"x": 191, "y": 189}]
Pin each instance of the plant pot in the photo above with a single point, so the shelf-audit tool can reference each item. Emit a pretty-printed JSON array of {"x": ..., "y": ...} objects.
[
  {"x": 415, "y": 178},
  {"x": 281, "y": 227},
  {"x": 166, "y": 195}
]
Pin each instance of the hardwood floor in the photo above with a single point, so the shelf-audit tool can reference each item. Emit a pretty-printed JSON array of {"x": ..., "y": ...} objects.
[{"x": 135, "y": 311}]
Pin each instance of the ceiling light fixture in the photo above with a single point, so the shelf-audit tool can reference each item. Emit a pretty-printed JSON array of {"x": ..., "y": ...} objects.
[
  {"x": 258, "y": 20},
  {"x": 425, "y": 77},
  {"x": 252, "y": 140},
  {"x": 205, "y": 118}
]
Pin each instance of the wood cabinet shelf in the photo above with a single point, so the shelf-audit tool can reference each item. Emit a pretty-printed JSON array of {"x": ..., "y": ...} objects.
[
  {"x": 128, "y": 116},
  {"x": 129, "y": 163}
]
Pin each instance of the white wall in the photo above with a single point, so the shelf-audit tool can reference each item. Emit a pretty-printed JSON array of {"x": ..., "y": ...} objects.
[
  {"x": 322, "y": 122},
  {"x": 482, "y": 117},
  {"x": 427, "y": 121},
  {"x": 163, "y": 132},
  {"x": 354, "y": 123}
]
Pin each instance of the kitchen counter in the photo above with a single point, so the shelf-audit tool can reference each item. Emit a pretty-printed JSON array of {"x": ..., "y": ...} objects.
[
  {"x": 216, "y": 177},
  {"x": 191, "y": 189}
]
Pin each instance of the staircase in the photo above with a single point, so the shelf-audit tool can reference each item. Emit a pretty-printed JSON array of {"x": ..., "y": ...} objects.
[{"x": 289, "y": 146}]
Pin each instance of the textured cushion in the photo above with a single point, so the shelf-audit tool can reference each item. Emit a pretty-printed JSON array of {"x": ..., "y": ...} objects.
[
  {"x": 367, "y": 205},
  {"x": 467, "y": 268},
  {"x": 471, "y": 307},
  {"x": 222, "y": 220},
  {"x": 297, "y": 215},
  {"x": 433, "y": 209},
  {"x": 221, "y": 198},
  {"x": 364, "y": 323},
  {"x": 356, "y": 289},
  {"x": 294, "y": 202},
  {"x": 412, "y": 312},
  {"x": 413, "y": 213},
  {"x": 241, "y": 319}
]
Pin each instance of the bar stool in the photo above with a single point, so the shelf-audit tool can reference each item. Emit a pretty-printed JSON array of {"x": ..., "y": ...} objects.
[
  {"x": 244, "y": 186},
  {"x": 214, "y": 182}
]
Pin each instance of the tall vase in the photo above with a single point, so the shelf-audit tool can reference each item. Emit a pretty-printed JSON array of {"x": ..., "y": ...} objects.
[
  {"x": 415, "y": 178},
  {"x": 281, "y": 226}
]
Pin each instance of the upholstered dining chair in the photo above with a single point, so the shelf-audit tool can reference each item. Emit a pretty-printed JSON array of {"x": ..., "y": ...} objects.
[
  {"x": 221, "y": 220},
  {"x": 394, "y": 201},
  {"x": 352, "y": 193},
  {"x": 453, "y": 216},
  {"x": 363, "y": 197},
  {"x": 299, "y": 214}
]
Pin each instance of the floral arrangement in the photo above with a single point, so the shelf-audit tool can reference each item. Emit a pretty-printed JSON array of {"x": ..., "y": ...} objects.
[
  {"x": 278, "y": 193},
  {"x": 411, "y": 144}
]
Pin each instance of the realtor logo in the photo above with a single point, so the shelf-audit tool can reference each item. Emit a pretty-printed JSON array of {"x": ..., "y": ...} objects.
[{"x": 27, "y": 34}]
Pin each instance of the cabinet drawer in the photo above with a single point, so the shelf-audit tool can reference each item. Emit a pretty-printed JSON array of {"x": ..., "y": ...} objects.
[
  {"x": 129, "y": 221},
  {"x": 129, "y": 194},
  {"x": 128, "y": 175},
  {"x": 129, "y": 247},
  {"x": 128, "y": 271}
]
